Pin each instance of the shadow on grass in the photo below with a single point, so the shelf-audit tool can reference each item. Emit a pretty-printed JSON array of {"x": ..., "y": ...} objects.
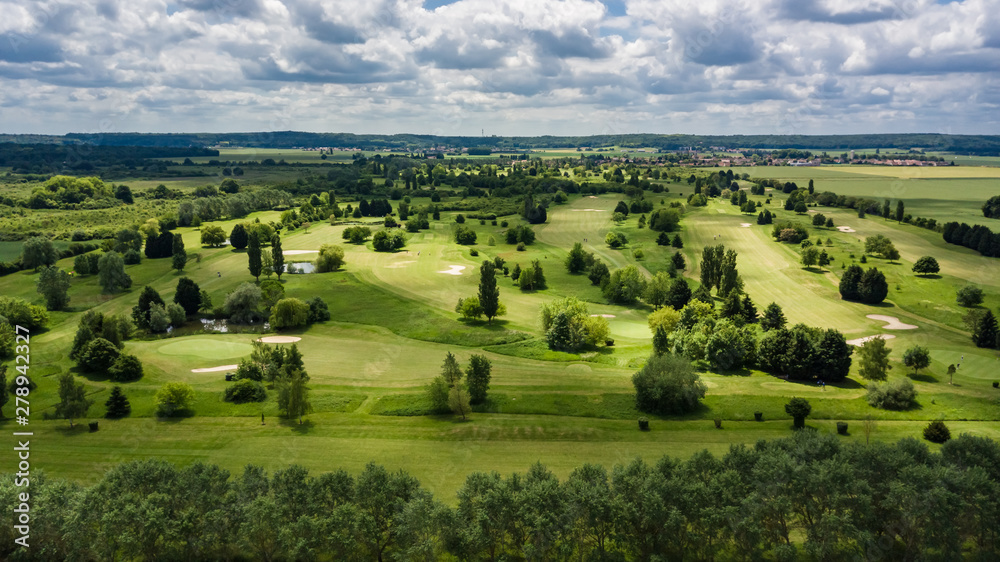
[
  {"x": 78, "y": 428},
  {"x": 177, "y": 417},
  {"x": 92, "y": 376},
  {"x": 301, "y": 428},
  {"x": 923, "y": 377},
  {"x": 846, "y": 384},
  {"x": 929, "y": 276}
]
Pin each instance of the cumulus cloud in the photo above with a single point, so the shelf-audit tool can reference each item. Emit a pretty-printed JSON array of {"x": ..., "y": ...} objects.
[{"x": 509, "y": 66}]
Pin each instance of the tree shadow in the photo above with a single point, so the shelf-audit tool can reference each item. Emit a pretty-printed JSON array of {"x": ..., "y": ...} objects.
[
  {"x": 303, "y": 428},
  {"x": 78, "y": 428},
  {"x": 923, "y": 377},
  {"x": 883, "y": 304},
  {"x": 92, "y": 376},
  {"x": 177, "y": 417},
  {"x": 929, "y": 276}
]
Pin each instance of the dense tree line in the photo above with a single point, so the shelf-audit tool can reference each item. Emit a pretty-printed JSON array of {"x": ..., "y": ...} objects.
[
  {"x": 807, "y": 497},
  {"x": 976, "y": 237},
  {"x": 42, "y": 158}
]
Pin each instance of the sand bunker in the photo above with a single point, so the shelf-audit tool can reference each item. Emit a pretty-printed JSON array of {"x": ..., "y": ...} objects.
[
  {"x": 297, "y": 252},
  {"x": 591, "y": 197},
  {"x": 602, "y": 315},
  {"x": 279, "y": 339},
  {"x": 846, "y": 229},
  {"x": 861, "y": 341},
  {"x": 745, "y": 224},
  {"x": 216, "y": 369},
  {"x": 892, "y": 323},
  {"x": 812, "y": 211},
  {"x": 588, "y": 210},
  {"x": 453, "y": 270}
]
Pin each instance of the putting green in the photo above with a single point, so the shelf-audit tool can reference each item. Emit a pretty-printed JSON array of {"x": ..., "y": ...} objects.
[{"x": 205, "y": 348}]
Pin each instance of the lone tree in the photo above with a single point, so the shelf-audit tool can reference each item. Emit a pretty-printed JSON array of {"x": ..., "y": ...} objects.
[
  {"x": 489, "y": 293},
  {"x": 926, "y": 265},
  {"x": 118, "y": 405},
  {"x": 38, "y": 251},
  {"x": 179, "y": 259},
  {"x": 293, "y": 395},
  {"x": 798, "y": 408},
  {"x": 969, "y": 296},
  {"x": 277, "y": 256},
  {"x": 917, "y": 357},
  {"x": 874, "y": 357},
  {"x": 172, "y": 398},
  {"x": 73, "y": 401},
  {"x": 111, "y": 271},
  {"x": 254, "y": 255},
  {"x": 53, "y": 284}
]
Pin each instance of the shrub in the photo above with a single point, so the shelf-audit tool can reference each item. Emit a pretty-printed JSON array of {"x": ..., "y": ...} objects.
[
  {"x": 172, "y": 398},
  {"x": 177, "y": 315},
  {"x": 937, "y": 432},
  {"x": 644, "y": 424},
  {"x": 289, "y": 313},
  {"x": 798, "y": 408},
  {"x": 331, "y": 258},
  {"x": 667, "y": 384},
  {"x": 318, "y": 310},
  {"x": 131, "y": 257},
  {"x": 98, "y": 355},
  {"x": 969, "y": 296},
  {"x": 117, "y": 405},
  {"x": 520, "y": 246},
  {"x": 246, "y": 390},
  {"x": 474, "y": 252},
  {"x": 126, "y": 368},
  {"x": 842, "y": 428},
  {"x": 465, "y": 235}
]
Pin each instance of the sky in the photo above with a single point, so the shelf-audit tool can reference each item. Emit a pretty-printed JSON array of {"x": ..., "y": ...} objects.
[{"x": 501, "y": 67}]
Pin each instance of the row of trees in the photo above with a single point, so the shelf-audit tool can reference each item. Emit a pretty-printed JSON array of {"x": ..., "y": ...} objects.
[
  {"x": 448, "y": 391},
  {"x": 810, "y": 496}
]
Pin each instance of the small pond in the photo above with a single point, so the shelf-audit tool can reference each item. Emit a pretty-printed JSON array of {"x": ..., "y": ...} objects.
[{"x": 301, "y": 267}]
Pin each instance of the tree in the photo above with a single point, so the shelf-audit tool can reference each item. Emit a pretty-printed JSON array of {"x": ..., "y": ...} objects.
[
  {"x": 598, "y": 273},
  {"x": 874, "y": 359},
  {"x": 243, "y": 304},
  {"x": 73, "y": 401},
  {"x": 824, "y": 259},
  {"x": 254, "y": 255},
  {"x": 117, "y": 405},
  {"x": 98, "y": 355},
  {"x": 937, "y": 432},
  {"x": 881, "y": 246},
  {"x": 677, "y": 242},
  {"x": 126, "y": 368},
  {"x": 318, "y": 310},
  {"x": 799, "y": 409},
  {"x": 53, "y": 285},
  {"x": 625, "y": 285},
  {"x": 173, "y": 398},
  {"x": 450, "y": 370},
  {"x": 188, "y": 295},
  {"x": 969, "y": 296},
  {"x": 331, "y": 258},
  {"x": 140, "y": 312},
  {"x": 678, "y": 260},
  {"x": 917, "y": 357},
  {"x": 277, "y": 256},
  {"x": 214, "y": 236},
  {"x": 896, "y": 395},
  {"x": 293, "y": 395},
  {"x": 289, "y": 313},
  {"x": 872, "y": 288},
  {"x": 477, "y": 378},
  {"x": 179, "y": 254},
  {"x": 159, "y": 319},
  {"x": 657, "y": 291},
  {"x": 4, "y": 395},
  {"x": 983, "y": 325},
  {"x": 458, "y": 401},
  {"x": 900, "y": 210},
  {"x": 113, "y": 278},
  {"x": 991, "y": 208},
  {"x": 469, "y": 308},
  {"x": 926, "y": 265},
  {"x": 238, "y": 238},
  {"x": 810, "y": 256},
  {"x": 667, "y": 384},
  {"x": 576, "y": 261},
  {"x": 680, "y": 294},
  {"x": 489, "y": 293},
  {"x": 615, "y": 239},
  {"x": 437, "y": 392},
  {"x": 38, "y": 251},
  {"x": 850, "y": 281}
]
